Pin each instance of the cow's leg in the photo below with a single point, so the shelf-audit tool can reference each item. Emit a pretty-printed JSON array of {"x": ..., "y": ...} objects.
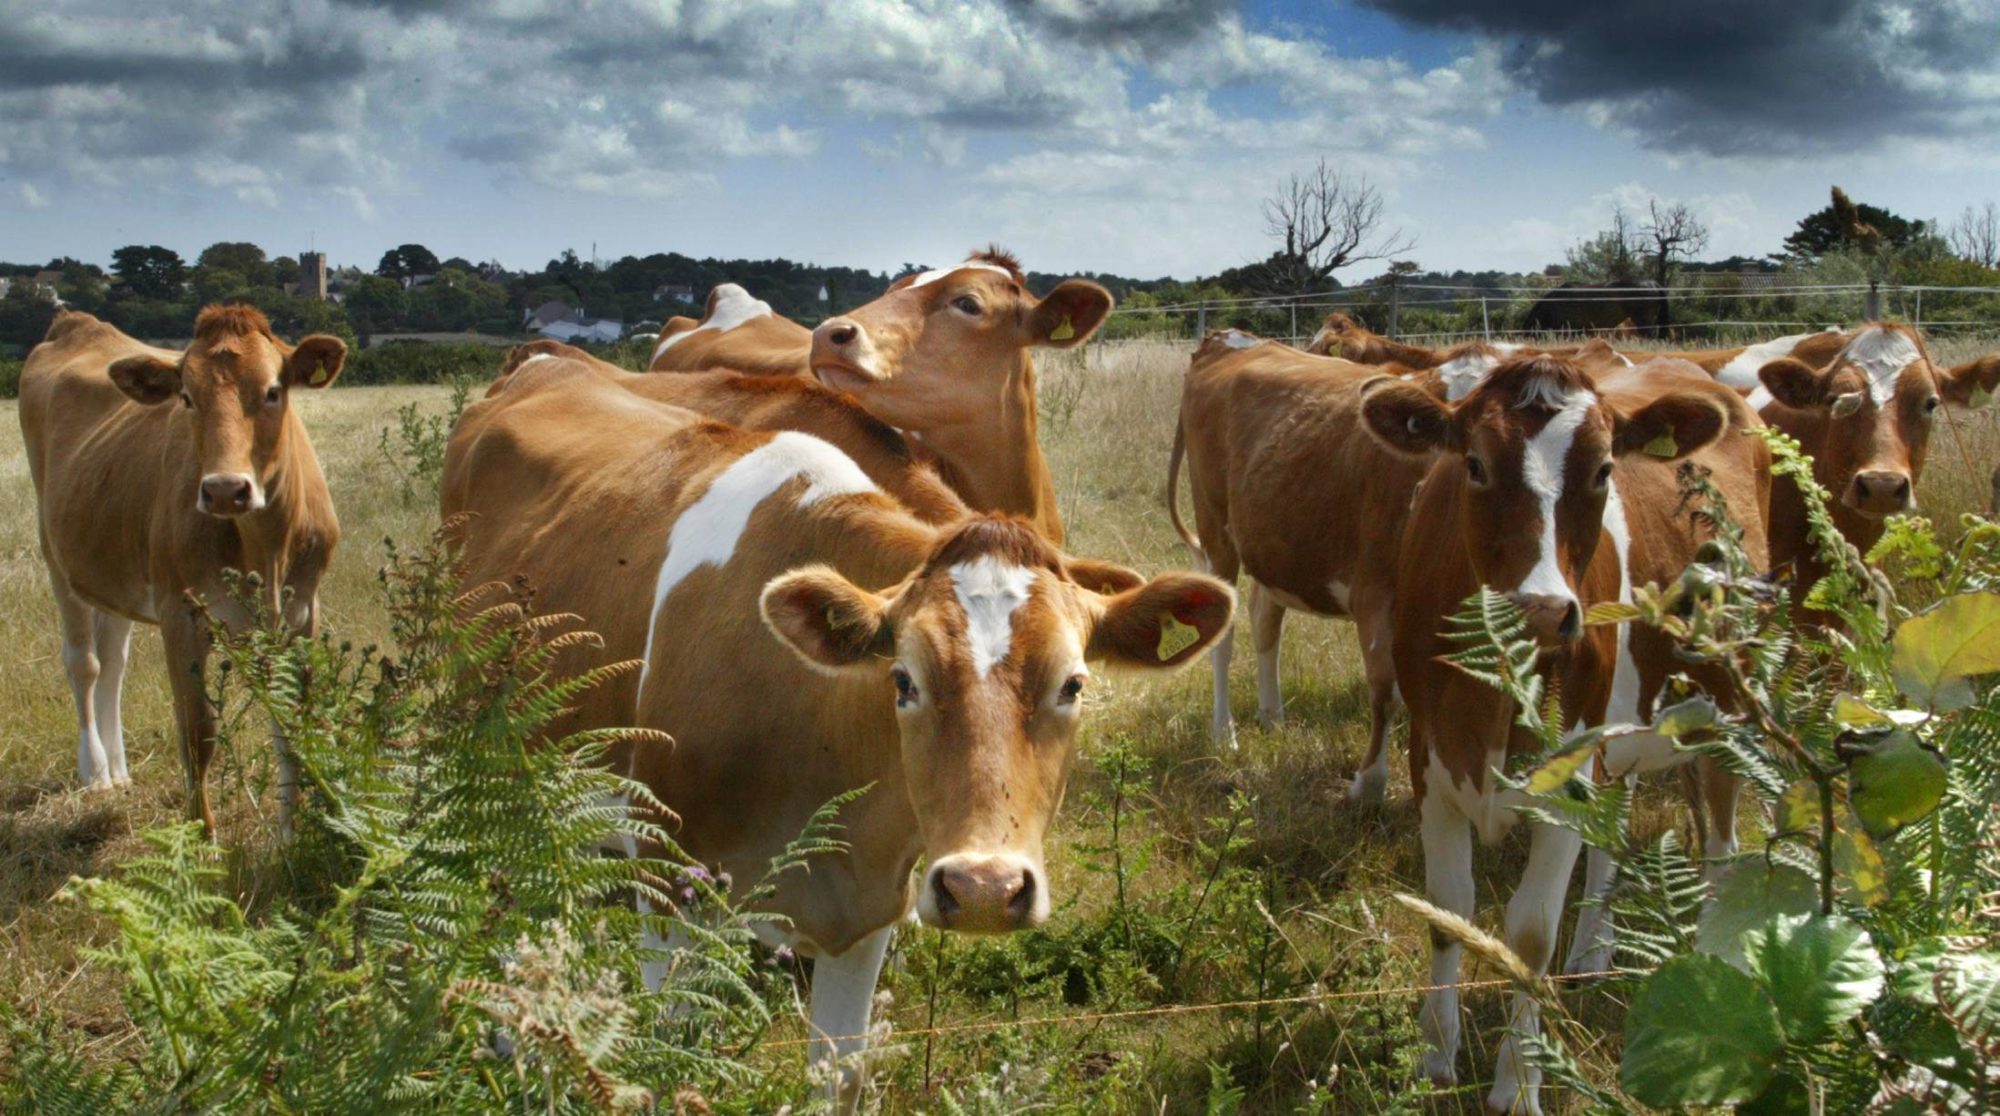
[
  {"x": 1447, "y": 839},
  {"x": 843, "y": 990},
  {"x": 185, "y": 639},
  {"x": 81, "y": 667},
  {"x": 1719, "y": 790},
  {"x": 1590, "y": 951},
  {"x": 1372, "y": 628},
  {"x": 112, "y": 636},
  {"x": 1267, "y": 630},
  {"x": 1220, "y": 561},
  {"x": 1533, "y": 915}
]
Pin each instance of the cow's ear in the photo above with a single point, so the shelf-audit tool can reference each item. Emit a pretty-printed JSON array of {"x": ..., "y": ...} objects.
[
  {"x": 1669, "y": 427},
  {"x": 316, "y": 362},
  {"x": 1793, "y": 382},
  {"x": 1406, "y": 418},
  {"x": 826, "y": 620},
  {"x": 1163, "y": 623},
  {"x": 147, "y": 378},
  {"x": 1972, "y": 383},
  {"x": 1068, "y": 315},
  {"x": 1102, "y": 577}
]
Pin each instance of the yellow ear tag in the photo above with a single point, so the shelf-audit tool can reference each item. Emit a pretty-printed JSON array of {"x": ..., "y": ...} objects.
[
  {"x": 1175, "y": 637},
  {"x": 319, "y": 375},
  {"x": 1063, "y": 331},
  {"x": 1664, "y": 446}
]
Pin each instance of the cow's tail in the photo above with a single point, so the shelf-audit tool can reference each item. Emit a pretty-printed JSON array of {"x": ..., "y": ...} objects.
[{"x": 1174, "y": 489}]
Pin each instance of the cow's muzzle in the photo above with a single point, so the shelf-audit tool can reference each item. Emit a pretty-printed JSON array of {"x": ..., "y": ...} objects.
[
  {"x": 1879, "y": 492},
  {"x": 1555, "y": 621},
  {"x": 983, "y": 894},
  {"x": 226, "y": 495}
]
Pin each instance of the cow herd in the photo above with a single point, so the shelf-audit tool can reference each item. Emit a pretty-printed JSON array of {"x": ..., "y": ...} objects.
[{"x": 836, "y": 556}]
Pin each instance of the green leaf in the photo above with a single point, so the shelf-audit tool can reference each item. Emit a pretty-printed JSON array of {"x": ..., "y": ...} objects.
[
  {"x": 1684, "y": 717},
  {"x": 1611, "y": 612},
  {"x": 1554, "y": 773},
  {"x": 1857, "y": 863},
  {"x": 1822, "y": 970},
  {"x": 1748, "y": 895},
  {"x": 1936, "y": 652},
  {"x": 1894, "y": 783},
  {"x": 1852, "y": 713},
  {"x": 1700, "y": 1033},
  {"x": 1798, "y": 808},
  {"x": 1786, "y": 1095}
]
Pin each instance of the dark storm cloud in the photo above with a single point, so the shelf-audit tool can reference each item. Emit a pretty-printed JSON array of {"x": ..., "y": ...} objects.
[
  {"x": 1724, "y": 77},
  {"x": 1149, "y": 25}
]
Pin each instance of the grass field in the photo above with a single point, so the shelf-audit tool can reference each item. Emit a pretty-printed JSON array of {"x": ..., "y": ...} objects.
[{"x": 1181, "y": 877}]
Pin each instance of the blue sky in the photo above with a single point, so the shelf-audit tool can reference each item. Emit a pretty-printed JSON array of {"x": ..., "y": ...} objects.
[{"x": 1133, "y": 136}]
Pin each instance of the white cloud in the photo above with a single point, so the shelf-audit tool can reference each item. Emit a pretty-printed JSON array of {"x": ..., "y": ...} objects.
[{"x": 33, "y": 198}]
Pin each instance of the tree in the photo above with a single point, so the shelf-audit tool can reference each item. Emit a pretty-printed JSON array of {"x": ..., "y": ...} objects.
[
  {"x": 238, "y": 256},
  {"x": 1975, "y": 236},
  {"x": 1611, "y": 257},
  {"x": 407, "y": 261},
  {"x": 1323, "y": 222},
  {"x": 150, "y": 271},
  {"x": 1824, "y": 230},
  {"x": 1674, "y": 232},
  {"x": 374, "y": 304}
]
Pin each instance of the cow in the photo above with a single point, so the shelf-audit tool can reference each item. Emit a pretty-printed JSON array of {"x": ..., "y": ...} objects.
[
  {"x": 1544, "y": 485},
  {"x": 801, "y": 635},
  {"x": 737, "y": 332},
  {"x": 1341, "y": 336},
  {"x": 155, "y": 473},
  {"x": 1586, "y": 307},
  {"x": 1865, "y": 417},
  {"x": 1461, "y": 364}
]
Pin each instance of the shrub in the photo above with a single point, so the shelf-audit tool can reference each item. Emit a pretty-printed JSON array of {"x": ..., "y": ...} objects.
[
  {"x": 10, "y": 378},
  {"x": 423, "y": 362}
]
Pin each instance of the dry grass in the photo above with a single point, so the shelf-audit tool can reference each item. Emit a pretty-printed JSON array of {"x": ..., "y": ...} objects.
[{"x": 1111, "y": 421}]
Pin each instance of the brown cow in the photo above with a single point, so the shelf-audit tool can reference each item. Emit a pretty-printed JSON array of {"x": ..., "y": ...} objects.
[
  {"x": 1540, "y": 487},
  {"x": 1865, "y": 417},
  {"x": 941, "y": 666},
  {"x": 143, "y": 501},
  {"x": 736, "y": 332}
]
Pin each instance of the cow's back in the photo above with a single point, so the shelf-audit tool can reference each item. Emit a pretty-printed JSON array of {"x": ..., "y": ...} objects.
[{"x": 100, "y": 463}]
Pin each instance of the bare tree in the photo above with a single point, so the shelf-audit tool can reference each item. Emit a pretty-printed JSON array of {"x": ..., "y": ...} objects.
[
  {"x": 1323, "y": 222},
  {"x": 1611, "y": 256},
  {"x": 1975, "y": 235},
  {"x": 1674, "y": 232}
]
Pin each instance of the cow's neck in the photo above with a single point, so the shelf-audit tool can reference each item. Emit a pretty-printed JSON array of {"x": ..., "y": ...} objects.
[
  {"x": 296, "y": 523},
  {"x": 995, "y": 460}
]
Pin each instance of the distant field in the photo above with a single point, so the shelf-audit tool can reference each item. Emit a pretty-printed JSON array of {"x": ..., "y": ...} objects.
[{"x": 1308, "y": 910}]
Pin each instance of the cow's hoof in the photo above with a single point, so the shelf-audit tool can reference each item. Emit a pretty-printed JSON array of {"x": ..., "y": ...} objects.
[{"x": 1369, "y": 788}]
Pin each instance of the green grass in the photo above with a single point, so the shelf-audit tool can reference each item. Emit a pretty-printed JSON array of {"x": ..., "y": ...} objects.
[{"x": 1300, "y": 903}]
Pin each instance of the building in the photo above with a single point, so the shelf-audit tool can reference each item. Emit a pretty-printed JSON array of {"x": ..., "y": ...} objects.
[
  {"x": 676, "y": 292},
  {"x": 312, "y": 275},
  {"x": 556, "y": 319}
]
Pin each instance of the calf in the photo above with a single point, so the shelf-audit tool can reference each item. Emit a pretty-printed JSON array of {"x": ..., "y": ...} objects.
[
  {"x": 155, "y": 471},
  {"x": 1539, "y": 486},
  {"x": 736, "y": 332},
  {"x": 801, "y": 635}
]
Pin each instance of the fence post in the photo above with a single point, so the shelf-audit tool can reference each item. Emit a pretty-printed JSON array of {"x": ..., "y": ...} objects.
[
  {"x": 1295, "y": 321},
  {"x": 1917, "y": 316},
  {"x": 1201, "y": 320},
  {"x": 1485, "y": 321},
  {"x": 1395, "y": 302},
  {"x": 1871, "y": 307}
]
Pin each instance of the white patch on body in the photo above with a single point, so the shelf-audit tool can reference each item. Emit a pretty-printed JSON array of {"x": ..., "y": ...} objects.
[
  {"x": 1741, "y": 371},
  {"x": 533, "y": 359},
  {"x": 935, "y": 275},
  {"x": 990, "y": 591},
  {"x": 1237, "y": 339},
  {"x": 707, "y": 532},
  {"x": 733, "y": 307},
  {"x": 1463, "y": 373},
  {"x": 1882, "y": 355},
  {"x": 1542, "y": 462}
]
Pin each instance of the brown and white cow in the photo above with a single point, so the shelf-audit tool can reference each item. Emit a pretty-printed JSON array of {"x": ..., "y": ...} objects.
[
  {"x": 1540, "y": 486},
  {"x": 802, "y": 635},
  {"x": 1865, "y": 416},
  {"x": 737, "y": 332},
  {"x": 155, "y": 472}
]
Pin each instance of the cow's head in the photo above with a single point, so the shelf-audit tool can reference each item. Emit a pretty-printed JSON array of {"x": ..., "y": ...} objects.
[
  {"x": 1342, "y": 336},
  {"x": 1536, "y": 446},
  {"x": 940, "y": 346},
  {"x": 984, "y": 654},
  {"x": 1866, "y": 417},
  {"x": 235, "y": 382}
]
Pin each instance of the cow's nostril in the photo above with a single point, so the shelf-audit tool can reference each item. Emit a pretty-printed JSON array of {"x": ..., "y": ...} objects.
[
  {"x": 1022, "y": 903},
  {"x": 947, "y": 903},
  {"x": 1572, "y": 621},
  {"x": 842, "y": 335}
]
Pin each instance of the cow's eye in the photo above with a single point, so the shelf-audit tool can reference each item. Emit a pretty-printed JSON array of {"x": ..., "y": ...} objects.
[
  {"x": 272, "y": 395},
  {"x": 906, "y": 688},
  {"x": 1603, "y": 475},
  {"x": 1071, "y": 690},
  {"x": 1931, "y": 405},
  {"x": 1475, "y": 470},
  {"x": 187, "y": 401},
  {"x": 967, "y": 304}
]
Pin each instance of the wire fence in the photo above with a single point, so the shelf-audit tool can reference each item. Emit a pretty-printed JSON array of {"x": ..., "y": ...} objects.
[{"x": 1726, "y": 308}]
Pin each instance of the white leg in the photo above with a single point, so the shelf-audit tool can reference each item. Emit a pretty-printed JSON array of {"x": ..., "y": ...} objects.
[
  {"x": 112, "y": 636},
  {"x": 1221, "y": 726},
  {"x": 1533, "y": 915},
  {"x": 1447, "y": 838},
  {"x": 843, "y": 990},
  {"x": 1267, "y": 631},
  {"x": 79, "y": 659},
  {"x": 1590, "y": 952},
  {"x": 1372, "y": 627}
]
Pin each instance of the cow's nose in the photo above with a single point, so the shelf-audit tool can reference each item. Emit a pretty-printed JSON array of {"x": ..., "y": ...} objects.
[
  {"x": 984, "y": 894},
  {"x": 1882, "y": 490},
  {"x": 226, "y": 493},
  {"x": 842, "y": 333},
  {"x": 1554, "y": 620}
]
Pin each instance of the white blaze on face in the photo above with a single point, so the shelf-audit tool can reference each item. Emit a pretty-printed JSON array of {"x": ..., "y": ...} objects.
[
  {"x": 707, "y": 532},
  {"x": 981, "y": 265},
  {"x": 990, "y": 591},
  {"x": 1882, "y": 355},
  {"x": 1741, "y": 371},
  {"x": 1543, "y": 463},
  {"x": 733, "y": 307}
]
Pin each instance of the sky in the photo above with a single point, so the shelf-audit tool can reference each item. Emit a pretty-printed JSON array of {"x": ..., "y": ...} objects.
[{"x": 1128, "y": 136}]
